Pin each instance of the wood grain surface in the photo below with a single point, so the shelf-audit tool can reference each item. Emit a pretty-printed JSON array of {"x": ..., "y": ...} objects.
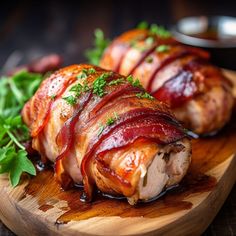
[{"x": 38, "y": 206}]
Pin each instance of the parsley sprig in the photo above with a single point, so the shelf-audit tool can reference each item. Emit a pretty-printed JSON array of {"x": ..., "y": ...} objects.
[
  {"x": 110, "y": 121},
  {"x": 71, "y": 100},
  {"x": 14, "y": 92},
  {"x": 159, "y": 31},
  {"x": 154, "y": 29},
  {"x": 163, "y": 48},
  {"x": 144, "y": 95},
  {"x": 117, "y": 81},
  {"x": 94, "y": 54},
  {"x": 85, "y": 73},
  {"x": 100, "y": 43},
  {"x": 133, "y": 81},
  {"x": 100, "y": 83}
]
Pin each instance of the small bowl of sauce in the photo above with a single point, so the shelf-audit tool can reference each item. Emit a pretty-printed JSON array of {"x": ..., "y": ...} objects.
[{"x": 216, "y": 34}]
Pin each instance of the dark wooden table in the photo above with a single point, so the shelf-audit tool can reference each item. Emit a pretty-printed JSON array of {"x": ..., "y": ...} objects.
[{"x": 29, "y": 29}]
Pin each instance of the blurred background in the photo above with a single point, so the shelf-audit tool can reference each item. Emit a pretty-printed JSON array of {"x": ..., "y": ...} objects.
[
  {"x": 29, "y": 29},
  {"x": 33, "y": 28}
]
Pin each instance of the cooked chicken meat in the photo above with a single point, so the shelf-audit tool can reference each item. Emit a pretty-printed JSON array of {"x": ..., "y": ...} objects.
[{"x": 103, "y": 130}]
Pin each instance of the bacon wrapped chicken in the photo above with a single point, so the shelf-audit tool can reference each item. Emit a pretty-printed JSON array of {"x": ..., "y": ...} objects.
[
  {"x": 179, "y": 75},
  {"x": 103, "y": 130}
]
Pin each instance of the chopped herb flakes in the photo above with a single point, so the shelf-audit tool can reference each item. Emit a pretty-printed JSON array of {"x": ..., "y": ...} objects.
[
  {"x": 82, "y": 75},
  {"x": 110, "y": 121},
  {"x": 101, "y": 128},
  {"x": 135, "y": 44},
  {"x": 100, "y": 83},
  {"x": 149, "y": 41},
  {"x": 53, "y": 96},
  {"x": 99, "y": 45},
  {"x": 85, "y": 72},
  {"x": 116, "y": 115},
  {"x": 142, "y": 25},
  {"x": 85, "y": 88},
  {"x": 77, "y": 89},
  {"x": 159, "y": 31},
  {"x": 134, "y": 82},
  {"x": 149, "y": 59},
  {"x": 154, "y": 29},
  {"x": 91, "y": 71},
  {"x": 145, "y": 95},
  {"x": 163, "y": 48},
  {"x": 117, "y": 81},
  {"x": 98, "y": 86},
  {"x": 70, "y": 100}
]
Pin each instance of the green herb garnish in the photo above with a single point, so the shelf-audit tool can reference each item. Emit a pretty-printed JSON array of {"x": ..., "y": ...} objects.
[
  {"x": 82, "y": 75},
  {"x": 70, "y": 100},
  {"x": 154, "y": 29},
  {"x": 85, "y": 72},
  {"x": 149, "y": 59},
  {"x": 117, "y": 81},
  {"x": 133, "y": 43},
  {"x": 53, "y": 96},
  {"x": 91, "y": 71},
  {"x": 145, "y": 95},
  {"x": 101, "y": 128},
  {"x": 142, "y": 25},
  {"x": 100, "y": 44},
  {"x": 163, "y": 48},
  {"x": 85, "y": 87},
  {"x": 159, "y": 31},
  {"x": 110, "y": 121},
  {"x": 116, "y": 115},
  {"x": 149, "y": 41},
  {"x": 100, "y": 83},
  {"x": 134, "y": 82},
  {"x": 14, "y": 92},
  {"x": 78, "y": 88}
]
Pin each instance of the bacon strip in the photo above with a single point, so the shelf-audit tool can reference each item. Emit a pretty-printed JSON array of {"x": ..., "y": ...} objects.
[
  {"x": 178, "y": 75},
  {"x": 138, "y": 123},
  {"x": 77, "y": 141},
  {"x": 41, "y": 105},
  {"x": 177, "y": 90}
]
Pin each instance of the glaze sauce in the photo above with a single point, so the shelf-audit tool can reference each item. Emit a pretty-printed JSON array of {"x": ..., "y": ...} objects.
[{"x": 207, "y": 154}]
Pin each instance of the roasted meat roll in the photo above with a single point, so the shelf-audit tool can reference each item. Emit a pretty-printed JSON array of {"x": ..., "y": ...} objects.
[
  {"x": 197, "y": 92},
  {"x": 103, "y": 130}
]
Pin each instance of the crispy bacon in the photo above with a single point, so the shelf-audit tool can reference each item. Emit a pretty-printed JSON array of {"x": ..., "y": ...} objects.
[
  {"x": 177, "y": 90},
  {"x": 80, "y": 148},
  {"x": 50, "y": 90},
  {"x": 139, "y": 123},
  {"x": 177, "y": 74}
]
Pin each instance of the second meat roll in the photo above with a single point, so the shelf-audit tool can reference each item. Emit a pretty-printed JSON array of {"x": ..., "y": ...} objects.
[
  {"x": 103, "y": 130},
  {"x": 179, "y": 75}
]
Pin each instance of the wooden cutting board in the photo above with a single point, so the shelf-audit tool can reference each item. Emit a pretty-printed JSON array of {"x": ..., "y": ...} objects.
[{"x": 39, "y": 207}]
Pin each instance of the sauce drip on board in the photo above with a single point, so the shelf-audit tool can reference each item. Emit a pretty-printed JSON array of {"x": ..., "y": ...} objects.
[{"x": 47, "y": 191}]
